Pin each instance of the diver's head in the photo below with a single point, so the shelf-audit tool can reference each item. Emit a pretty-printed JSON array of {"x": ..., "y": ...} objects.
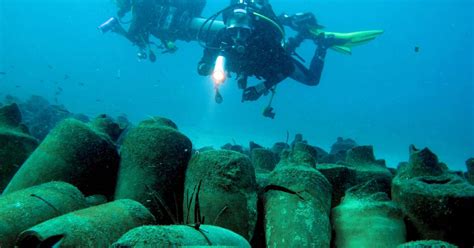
[{"x": 238, "y": 26}]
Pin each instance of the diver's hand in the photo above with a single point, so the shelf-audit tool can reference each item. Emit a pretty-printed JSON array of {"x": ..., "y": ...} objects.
[
  {"x": 204, "y": 69},
  {"x": 254, "y": 93}
]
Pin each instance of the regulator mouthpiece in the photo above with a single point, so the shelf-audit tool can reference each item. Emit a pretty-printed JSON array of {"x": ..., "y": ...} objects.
[{"x": 219, "y": 73}]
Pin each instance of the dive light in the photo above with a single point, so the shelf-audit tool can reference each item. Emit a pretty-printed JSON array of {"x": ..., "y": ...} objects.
[
  {"x": 108, "y": 25},
  {"x": 219, "y": 73}
]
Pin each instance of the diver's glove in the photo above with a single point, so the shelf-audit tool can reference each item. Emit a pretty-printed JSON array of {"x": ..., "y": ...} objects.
[
  {"x": 254, "y": 93},
  {"x": 204, "y": 69}
]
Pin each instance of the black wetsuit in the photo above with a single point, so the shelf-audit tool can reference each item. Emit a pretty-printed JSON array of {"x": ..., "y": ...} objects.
[
  {"x": 264, "y": 57},
  {"x": 164, "y": 19}
]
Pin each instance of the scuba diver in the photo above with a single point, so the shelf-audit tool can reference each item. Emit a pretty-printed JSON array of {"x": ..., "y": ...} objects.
[
  {"x": 253, "y": 44},
  {"x": 168, "y": 21}
]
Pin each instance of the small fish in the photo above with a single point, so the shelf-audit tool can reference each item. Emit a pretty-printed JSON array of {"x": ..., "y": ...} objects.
[
  {"x": 417, "y": 49},
  {"x": 18, "y": 86},
  {"x": 3, "y": 73},
  {"x": 60, "y": 89},
  {"x": 66, "y": 77},
  {"x": 41, "y": 81},
  {"x": 98, "y": 100},
  {"x": 50, "y": 67},
  {"x": 81, "y": 84}
]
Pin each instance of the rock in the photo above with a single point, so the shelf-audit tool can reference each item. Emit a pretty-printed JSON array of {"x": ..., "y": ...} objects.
[
  {"x": 333, "y": 158},
  {"x": 225, "y": 185},
  {"x": 41, "y": 117},
  {"x": 227, "y": 146},
  {"x": 9, "y": 99},
  {"x": 81, "y": 117},
  {"x": 401, "y": 166},
  {"x": 341, "y": 178},
  {"x": 179, "y": 236},
  {"x": 458, "y": 173},
  {"x": 470, "y": 170},
  {"x": 422, "y": 163},
  {"x": 235, "y": 148},
  {"x": 205, "y": 149},
  {"x": 436, "y": 203},
  {"x": 263, "y": 160},
  {"x": 427, "y": 244},
  {"x": 303, "y": 153},
  {"x": 298, "y": 139},
  {"x": 278, "y": 148},
  {"x": 366, "y": 216},
  {"x": 297, "y": 202},
  {"x": 342, "y": 145},
  {"x": 321, "y": 153},
  {"x": 258, "y": 239},
  {"x": 253, "y": 145},
  {"x": 360, "y": 155},
  {"x": 392, "y": 170},
  {"x": 123, "y": 121},
  {"x": 262, "y": 181},
  {"x": 338, "y": 151},
  {"x": 98, "y": 226},
  {"x": 105, "y": 124},
  {"x": 95, "y": 200},
  {"x": 16, "y": 144},
  {"x": 75, "y": 153},
  {"x": 25, "y": 208},
  {"x": 238, "y": 148},
  {"x": 361, "y": 166},
  {"x": 154, "y": 160}
]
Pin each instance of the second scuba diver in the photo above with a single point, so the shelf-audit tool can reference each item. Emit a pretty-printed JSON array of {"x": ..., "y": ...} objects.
[{"x": 167, "y": 21}]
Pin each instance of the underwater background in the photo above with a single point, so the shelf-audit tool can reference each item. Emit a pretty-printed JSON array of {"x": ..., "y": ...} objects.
[{"x": 386, "y": 94}]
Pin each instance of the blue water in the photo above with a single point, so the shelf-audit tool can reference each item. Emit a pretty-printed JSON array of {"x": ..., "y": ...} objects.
[{"x": 385, "y": 94}]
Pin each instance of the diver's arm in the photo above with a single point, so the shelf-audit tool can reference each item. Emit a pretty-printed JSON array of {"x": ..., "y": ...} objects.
[
  {"x": 254, "y": 92},
  {"x": 211, "y": 51}
]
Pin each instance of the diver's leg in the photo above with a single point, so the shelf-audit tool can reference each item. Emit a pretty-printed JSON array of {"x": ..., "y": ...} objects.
[
  {"x": 143, "y": 14},
  {"x": 310, "y": 76}
]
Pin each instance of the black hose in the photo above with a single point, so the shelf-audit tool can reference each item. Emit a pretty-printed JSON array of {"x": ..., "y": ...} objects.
[{"x": 211, "y": 19}]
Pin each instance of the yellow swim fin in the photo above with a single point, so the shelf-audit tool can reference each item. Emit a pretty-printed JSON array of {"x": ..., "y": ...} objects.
[{"x": 345, "y": 41}]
